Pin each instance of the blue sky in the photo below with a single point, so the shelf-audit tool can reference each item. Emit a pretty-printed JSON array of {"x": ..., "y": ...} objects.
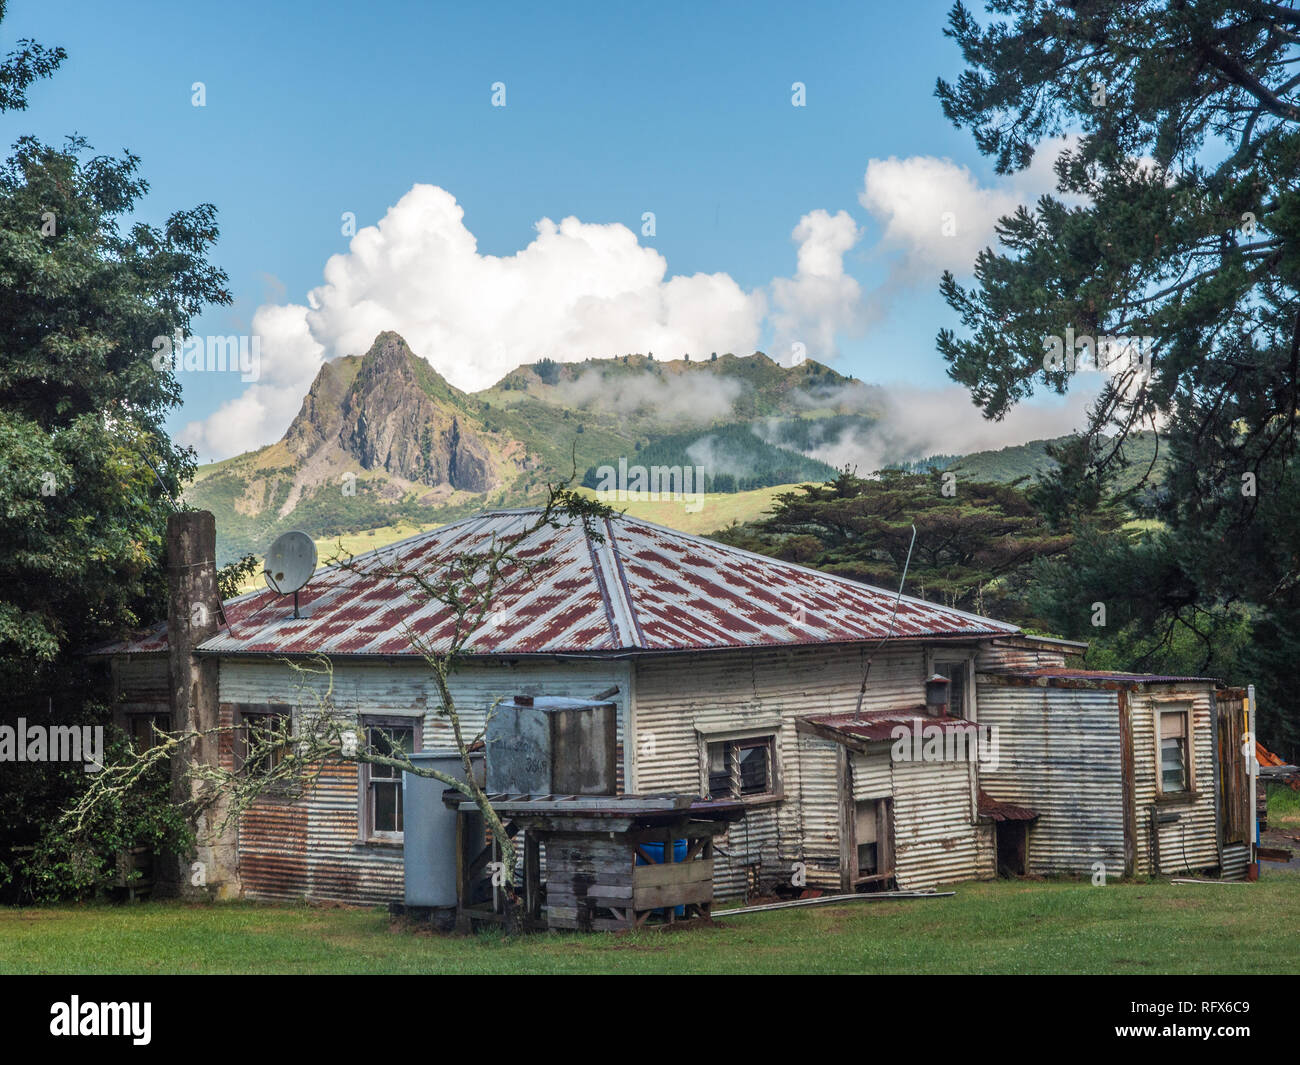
[{"x": 683, "y": 109}]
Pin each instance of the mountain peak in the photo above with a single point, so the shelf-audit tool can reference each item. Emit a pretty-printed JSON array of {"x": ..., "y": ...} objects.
[{"x": 390, "y": 411}]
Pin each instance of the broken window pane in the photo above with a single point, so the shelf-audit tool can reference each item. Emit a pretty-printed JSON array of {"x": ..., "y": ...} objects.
[
  {"x": 753, "y": 769},
  {"x": 719, "y": 770},
  {"x": 956, "y": 674}
]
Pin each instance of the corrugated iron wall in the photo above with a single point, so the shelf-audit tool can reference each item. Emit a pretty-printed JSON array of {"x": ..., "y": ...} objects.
[
  {"x": 1190, "y": 844},
  {"x": 872, "y": 776},
  {"x": 312, "y": 848},
  {"x": 821, "y": 797},
  {"x": 1059, "y": 753},
  {"x": 934, "y": 824},
  {"x": 141, "y": 684},
  {"x": 1014, "y": 653},
  {"x": 680, "y": 701},
  {"x": 678, "y": 698}
]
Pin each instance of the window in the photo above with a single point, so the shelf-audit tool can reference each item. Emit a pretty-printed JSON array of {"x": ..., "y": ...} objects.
[
  {"x": 382, "y": 784},
  {"x": 741, "y": 768},
  {"x": 955, "y": 671},
  {"x": 256, "y": 748},
  {"x": 1173, "y": 751},
  {"x": 142, "y": 728}
]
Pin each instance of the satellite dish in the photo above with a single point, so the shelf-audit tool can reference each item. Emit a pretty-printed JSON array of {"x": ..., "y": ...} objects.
[{"x": 289, "y": 564}]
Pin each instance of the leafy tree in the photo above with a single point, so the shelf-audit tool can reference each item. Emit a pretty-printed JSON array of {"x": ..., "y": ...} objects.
[
  {"x": 233, "y": 574},
  {"x": 87, "y": 470},
  {"x": 1177, "y": 220},
  {"x": 974, "y": 548}
]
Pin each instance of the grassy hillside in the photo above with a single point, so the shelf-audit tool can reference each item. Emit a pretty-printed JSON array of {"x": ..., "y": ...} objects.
[
  {"x": 717, "y": 511},
  {"x": 1031, "y": 460}
]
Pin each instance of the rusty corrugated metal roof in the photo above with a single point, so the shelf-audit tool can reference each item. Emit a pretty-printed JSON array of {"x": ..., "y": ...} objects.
[
  {"x": 1003, "y": 811},
  {"x": 877, "y": 726},
  {"x": 645, "y": 588}
]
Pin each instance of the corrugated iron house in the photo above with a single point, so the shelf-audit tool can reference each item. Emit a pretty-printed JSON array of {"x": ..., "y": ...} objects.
[{"x": 734, "y": 676}]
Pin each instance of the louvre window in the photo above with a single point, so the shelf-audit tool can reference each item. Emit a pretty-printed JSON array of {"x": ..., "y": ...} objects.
[
  {"x": 741, "y": 768},
  {"x": 1173, "y": 751}
]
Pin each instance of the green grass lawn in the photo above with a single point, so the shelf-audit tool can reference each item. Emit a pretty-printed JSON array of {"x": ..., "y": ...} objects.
[
  {"x": 1283, "y": 807},
  {"x": 1001, "y": 927}
]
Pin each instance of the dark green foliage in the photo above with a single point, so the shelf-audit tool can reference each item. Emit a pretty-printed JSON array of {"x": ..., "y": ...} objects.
[
  {"x": 548, "y": 370},
  {"x": 974, "y": 549},
  {"x": 233, "y": 574},
  {"x": 62, "y": 864},
  {"x": 88, "y": 473},
  {"x": 1178, "y": 220}
]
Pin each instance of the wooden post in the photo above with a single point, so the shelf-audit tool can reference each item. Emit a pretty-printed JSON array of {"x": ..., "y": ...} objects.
[
  {"x": 1126, "y": 783},
  {"x": 532, "y": 876}
]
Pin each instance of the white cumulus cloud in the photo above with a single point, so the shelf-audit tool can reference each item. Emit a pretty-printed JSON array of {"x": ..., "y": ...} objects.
[
  {"x": 937, "y": 214},
  {"x": 577, "y": 290},
  {"x": 821, "y": 300}
]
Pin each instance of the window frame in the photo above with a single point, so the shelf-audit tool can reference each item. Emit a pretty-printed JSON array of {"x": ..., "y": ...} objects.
[
  {"x": 965, "y": 658},
  {"x": 366, "y": 832},
  {"x": 1188, "y": 791},
  {"x": 734, "y": 742},
  {"x": 153, "y": 719},
  {"x": 243, "y": 715}
]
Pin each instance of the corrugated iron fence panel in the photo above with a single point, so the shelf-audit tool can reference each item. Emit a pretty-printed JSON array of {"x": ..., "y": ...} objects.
[
  {"x": 1059, "y": 754},
  {"x": 1235, "y": 858}
]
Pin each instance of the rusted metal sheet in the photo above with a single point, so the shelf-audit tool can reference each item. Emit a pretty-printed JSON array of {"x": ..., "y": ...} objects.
[
  {"x": 644, "y": 588},
  {"x": 1025, "y": 652},
  {"x": 1104, "y": 677},
  {"x": 995, "y": 810},
  {"x": 311, "y": 848},
  {"x": 877, "y": 726},
  {"x": 1059, "y": 754}
]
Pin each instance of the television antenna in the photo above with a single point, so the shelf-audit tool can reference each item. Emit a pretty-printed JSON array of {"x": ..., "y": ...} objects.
[{"x": 289, "y": 564}]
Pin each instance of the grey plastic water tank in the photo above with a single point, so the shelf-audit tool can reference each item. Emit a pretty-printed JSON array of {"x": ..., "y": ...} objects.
[
  {"x": 552, "y": 745},
  {"x": 429, "y": 831}
]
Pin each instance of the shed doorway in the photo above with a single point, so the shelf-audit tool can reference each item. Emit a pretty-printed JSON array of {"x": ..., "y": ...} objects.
[
  {"x": 1013, "y": 847},
  {"x": 873, "y": 844}
]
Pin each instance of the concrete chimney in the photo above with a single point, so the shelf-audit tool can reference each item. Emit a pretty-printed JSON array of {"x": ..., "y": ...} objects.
[{"x": 192, "y": 617}]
